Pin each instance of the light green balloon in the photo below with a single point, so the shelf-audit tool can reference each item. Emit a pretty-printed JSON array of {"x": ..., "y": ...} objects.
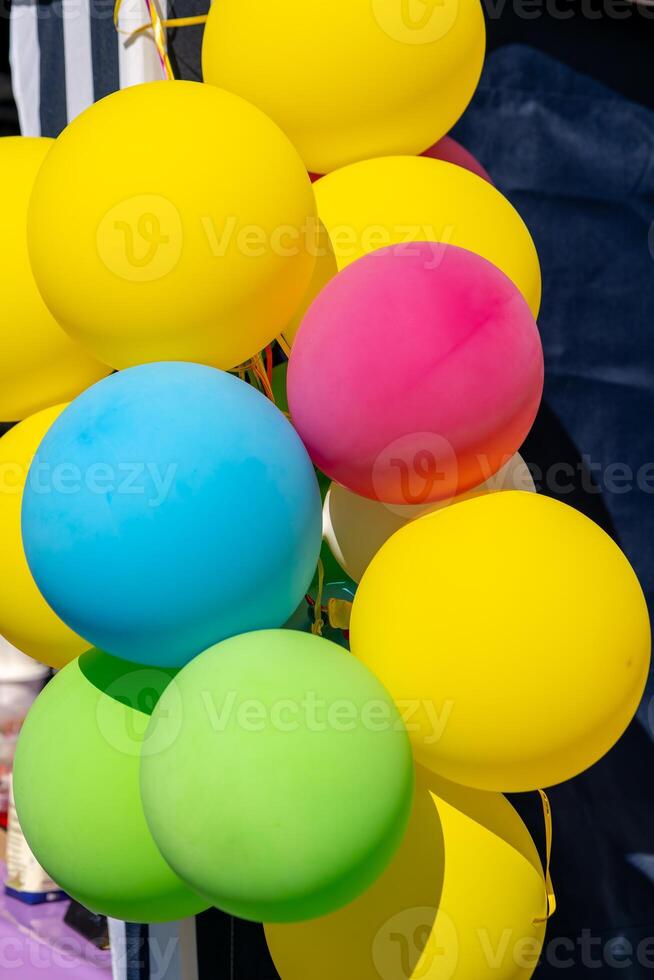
[
  {"x": 76, "y": 782},
  {"x": 288, "y": 783}
]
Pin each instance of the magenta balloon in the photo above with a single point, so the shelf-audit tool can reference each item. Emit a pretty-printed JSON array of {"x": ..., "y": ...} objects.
[
  {"x": 416, "y": 373},
  {"x": 450, "y": 151}
]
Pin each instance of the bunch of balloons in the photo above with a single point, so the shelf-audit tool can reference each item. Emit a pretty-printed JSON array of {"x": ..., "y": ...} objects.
[{"x": 176, "y": 509}]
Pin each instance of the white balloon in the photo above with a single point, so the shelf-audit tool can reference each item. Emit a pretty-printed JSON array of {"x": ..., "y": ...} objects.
[{"x": 355, "y": 527}]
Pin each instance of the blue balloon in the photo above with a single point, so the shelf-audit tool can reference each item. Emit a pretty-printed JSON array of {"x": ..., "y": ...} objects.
[{"x": 171, "y": 506}]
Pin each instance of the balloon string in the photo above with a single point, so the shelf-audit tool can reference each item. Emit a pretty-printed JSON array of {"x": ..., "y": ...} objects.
[
  {"x": 318, "y": 621},
  {"x": 260, "y": 373},
  {"x": 284, "y": 346},
  {"x": 549, "y": 887},
  {"x": 262, "y": 376},
  {"x": 158, "y": 26},
  {"x": 269, "y": 362}
]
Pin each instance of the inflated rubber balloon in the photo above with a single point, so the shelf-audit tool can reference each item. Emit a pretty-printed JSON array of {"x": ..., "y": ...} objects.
[
  {"x": 355, "y": 527},
  {"x": 26, "y": 619},
  {"x": 295, "y": 771},
  {"x": 414, "y": 377},
  {"x": 351, "y": 79},
  {"x": 401, "y": 200},
  {"x": 519, "y": 626},
  {"x": 172, "y": 221},
  {"x": 450, "y": 151},
  {"x": 182, "y": 508},
  {"x": 76, "y": 783},
  {"x": 458, "y": 902},
  {"x": 40, "y": 364},
  {"x": 324, "y": 270}
]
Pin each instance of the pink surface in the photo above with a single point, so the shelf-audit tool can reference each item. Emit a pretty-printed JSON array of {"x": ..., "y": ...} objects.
[
  {"x": 450, "y": 151},
  {"x": 36, "y": 943},
  {"x": 416, "y": 374}
]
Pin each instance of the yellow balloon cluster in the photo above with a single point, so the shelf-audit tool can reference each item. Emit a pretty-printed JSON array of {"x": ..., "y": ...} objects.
[
  {"x": 349, "y": 79},
  {"x": 39, "y": 365},
  {"x": 26, "y": 620},
  {"x": 463, "y": 899}
]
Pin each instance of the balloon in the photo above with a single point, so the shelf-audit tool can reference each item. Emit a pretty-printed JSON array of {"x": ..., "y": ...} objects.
[
  {"x": 518, "y": 629},
  {"x": 400, "y": 200},
  {"x": 26, "y": 620},
  {"x": 324, "y": 270},
  {"x": 450, "y": 151},
  {"x": 355, "y": 528},
  {"x": 171, "y": 506},
  {"x": 40, "y": 365},
  {"x": 406, "y": 383},
  {"x": 458, "y": 901},
  {"x": 351, "y": 79},
  {"x": 295, "y": 771},
  {"x": 157, "y": 233},
  {"x": 76, "y": 783}
]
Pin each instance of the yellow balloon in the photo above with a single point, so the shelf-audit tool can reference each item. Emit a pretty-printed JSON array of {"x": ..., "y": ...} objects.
[
  {"x": 355, "y": 527},
  {"x": 515, "y": 629},
  {"x": 349, "y": 79},
  {"x": 459, "y": 901},
  {"x": 399, "y": 200},
  {"x": 26, "y": 620},
  {"x": 173, "y": 221},
  {"x": 324, "y": 270},
  {"x": 40, "y": 365}
]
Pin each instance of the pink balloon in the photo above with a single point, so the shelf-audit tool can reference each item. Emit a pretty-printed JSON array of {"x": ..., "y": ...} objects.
[
  {"x": 450, "y": 151},
  {"x": 415, "y": 374}
]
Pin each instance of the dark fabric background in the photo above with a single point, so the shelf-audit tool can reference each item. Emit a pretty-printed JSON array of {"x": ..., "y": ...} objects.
[{"x": 577, "y": 161}]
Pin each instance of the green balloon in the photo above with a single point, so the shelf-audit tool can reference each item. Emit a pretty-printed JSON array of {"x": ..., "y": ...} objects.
[
  {"x": 287, "y": 779},
  {"x": 76, "y": 782}
]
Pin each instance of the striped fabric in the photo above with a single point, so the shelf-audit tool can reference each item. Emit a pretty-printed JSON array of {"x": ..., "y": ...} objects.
[{"x": 66, "y": 54}]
